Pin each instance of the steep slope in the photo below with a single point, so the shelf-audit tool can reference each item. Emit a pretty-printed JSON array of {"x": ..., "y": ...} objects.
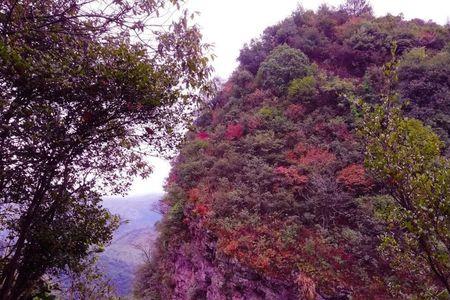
[{"x": 269, "y": 198}]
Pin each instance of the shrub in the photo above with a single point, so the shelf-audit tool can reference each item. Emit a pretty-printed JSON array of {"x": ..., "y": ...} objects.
[
  {"x": 252, "y": 55},
  {"x": 262, "y": 143},
  {"x": 194, "y": 195},
  {"x": 357, "y": 7},
  {"x": 303, "y": 88},
  {"x": 280, "y": 67},
  {"x": 234, "y": 131},
  {"x": 201, "y": 209},
  {"x": 266, "y": 112},
  {"x": 317, "y": 156},
  {"x": 253, "y": 122},
  {"x": 424, "y": 79},
  {"x": 354, "y": 177},
  {"x": 291, "y": 175},
  {"x": 295, "y": 111},
  {"x": 243, "y": 81},
  {"x": 257, "y": 97},
  {"x": 336, "y": 90},
  {"x": 202, "y": 135}
]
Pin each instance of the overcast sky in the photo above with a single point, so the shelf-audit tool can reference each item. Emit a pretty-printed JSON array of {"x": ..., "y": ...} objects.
[
  {"x": 228, "y": 24},
  {"x": 231, "y": 23}
]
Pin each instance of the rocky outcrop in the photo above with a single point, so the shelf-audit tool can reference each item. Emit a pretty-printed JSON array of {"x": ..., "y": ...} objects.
[{"x": 200, "y": 274}]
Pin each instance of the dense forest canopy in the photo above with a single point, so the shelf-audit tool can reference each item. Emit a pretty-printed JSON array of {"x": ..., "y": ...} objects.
[
  {"x": 85, "y": 88},
  {"x": 275, "y": 195}
]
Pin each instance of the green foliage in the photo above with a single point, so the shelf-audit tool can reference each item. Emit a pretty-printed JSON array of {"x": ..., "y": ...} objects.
[
  {"x": 368, "y": 37},
  {"x": 266, "y": 112},
  {"x": 357, "y": 7},
  {"x": 424, "y": 80},
  {"x": 281, "y": 66},
  {"x": 302, "y": 88},
  {"x": 405, "y": 156},
  {"x": 338, "y": 88},
  {"x": 264, "y": 143},
  {"x": 81, "y": 95}
]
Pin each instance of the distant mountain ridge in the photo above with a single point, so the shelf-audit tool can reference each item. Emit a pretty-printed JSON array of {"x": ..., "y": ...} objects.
[{"x": 122, "y": 258}]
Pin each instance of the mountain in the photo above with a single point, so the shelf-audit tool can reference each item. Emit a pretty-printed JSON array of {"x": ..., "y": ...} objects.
[
  {"x": 269, "y": 197},
  {"x": 122, "y": 258}
]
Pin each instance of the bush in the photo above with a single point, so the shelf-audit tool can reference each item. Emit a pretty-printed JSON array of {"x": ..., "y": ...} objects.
[
  {"x": 234, "y": 131},
  {"x": 303, "y": 88},
  {"x": 253, "y": 55},
  {"x": 424, "y": 79},
  {"x": 354, "y": 177},
  {"x": 281, "y": 66}
]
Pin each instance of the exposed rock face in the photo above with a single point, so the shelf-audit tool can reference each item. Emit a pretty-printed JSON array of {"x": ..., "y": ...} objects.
[{"x": 200, "y": 276}]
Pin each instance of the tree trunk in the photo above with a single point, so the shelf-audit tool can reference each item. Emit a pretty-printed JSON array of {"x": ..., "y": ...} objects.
[{"x": 9, "y": 275}]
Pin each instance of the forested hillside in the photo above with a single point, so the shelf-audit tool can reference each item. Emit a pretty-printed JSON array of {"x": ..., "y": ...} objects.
[{"x": 269, "y": 197}]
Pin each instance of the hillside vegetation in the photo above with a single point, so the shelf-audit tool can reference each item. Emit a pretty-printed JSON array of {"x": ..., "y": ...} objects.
[{"x": 270, "y": 197}]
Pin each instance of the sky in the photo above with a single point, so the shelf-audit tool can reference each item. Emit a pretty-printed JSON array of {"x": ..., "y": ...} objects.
[
  {"x": 232, "y": 23},
  {"x": 229, "y": 24}
]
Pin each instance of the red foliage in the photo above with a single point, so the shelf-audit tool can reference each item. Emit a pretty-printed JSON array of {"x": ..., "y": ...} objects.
[
  {"x": 317, "y": 157},
  {"x": 231, "y": 247},
  {"x": 307, "y": 287},
  {"x": 291, "y": 175},
  {"x": 354, "y": 176},
  {"x": 291, "y": 156},
  {"x": 320, "y": 128},
  {"x": 201, "y": 209},
  {"x": 428, "y": 37},
  {"x": 202, "y": 135},
  {"x": 273, "y": 255},
  {"x": 295, "y": 111},
  {"x": 234, "y": 131},
  {"x": 253, "y": 122},
  {"x": 337, "y": 130},
  {"x": 262, "y": 262},
  {"x": 301, "y": 148},
  {"x": 194, "y": 195},
  {"x": 257, "y": 97}
]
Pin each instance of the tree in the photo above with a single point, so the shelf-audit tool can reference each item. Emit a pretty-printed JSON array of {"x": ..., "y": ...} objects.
[
  {"x": 404, "y": 155},
  {"x": 86, "y": 282},
  {"x": 85, "y": 86},
  {"x": 281, "y": 66},
  {"x": 423, "y": 78},
  {"x": 357, "y": 7}
]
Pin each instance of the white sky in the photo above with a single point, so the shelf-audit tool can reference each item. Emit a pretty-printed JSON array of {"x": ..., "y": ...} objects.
[
  {"x": 231, "y": 23},
  {"x": 228, "y": 24}
]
